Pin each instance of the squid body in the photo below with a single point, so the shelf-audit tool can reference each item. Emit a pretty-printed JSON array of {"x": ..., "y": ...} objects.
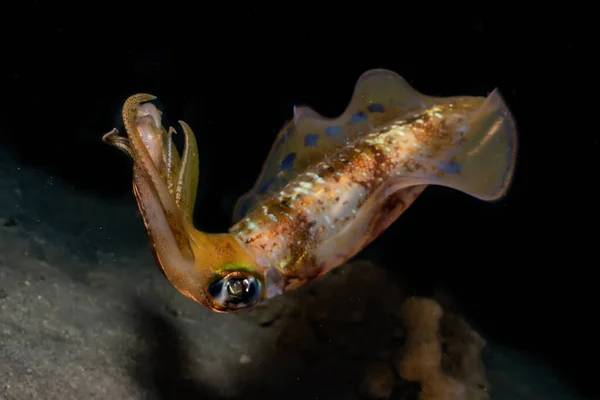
[{"x": 327, "y": 189}]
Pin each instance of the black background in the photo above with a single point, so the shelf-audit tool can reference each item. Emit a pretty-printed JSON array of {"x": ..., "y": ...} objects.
[{"x": 524, "y": 268}]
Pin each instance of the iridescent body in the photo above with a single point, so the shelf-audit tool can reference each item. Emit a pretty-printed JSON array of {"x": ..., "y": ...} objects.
[{"x": 328, "y": 188}]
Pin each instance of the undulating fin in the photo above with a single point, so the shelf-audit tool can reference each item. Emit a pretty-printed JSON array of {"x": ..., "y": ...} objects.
[
  {"x": 483, "y": 165},
  {"x": 379, "y": 97}
]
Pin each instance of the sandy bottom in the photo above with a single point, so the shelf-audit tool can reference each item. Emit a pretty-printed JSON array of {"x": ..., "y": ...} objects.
[{"x": 85, "y": 314}]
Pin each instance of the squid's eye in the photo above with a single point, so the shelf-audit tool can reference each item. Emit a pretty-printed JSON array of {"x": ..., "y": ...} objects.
[{"x": 235, "y": 291}]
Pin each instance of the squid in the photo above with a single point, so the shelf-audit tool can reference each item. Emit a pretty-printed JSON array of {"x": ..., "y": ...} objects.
[{"x": 328, "y": 187}]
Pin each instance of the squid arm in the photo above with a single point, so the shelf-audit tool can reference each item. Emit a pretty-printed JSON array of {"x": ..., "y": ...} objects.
[{"x": 207, "y": 268}]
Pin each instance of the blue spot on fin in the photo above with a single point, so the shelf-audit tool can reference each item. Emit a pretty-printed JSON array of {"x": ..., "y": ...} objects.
[
  {"x": 265, "y": 188},
  {"x": 450, "y": 167},
  {"x": 376, "y": 108},
  {"x": 311, "y": 139},
  {"x": 333, "y": 130},
  {"x": 359, "y": 117},
  {"x": 288, "y": 162}
]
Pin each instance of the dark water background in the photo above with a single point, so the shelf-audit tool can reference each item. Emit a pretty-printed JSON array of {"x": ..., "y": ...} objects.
[{"x": 522, "y": 269}]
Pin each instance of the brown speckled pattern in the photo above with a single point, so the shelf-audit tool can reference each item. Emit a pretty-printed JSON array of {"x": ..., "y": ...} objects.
[{"x": 291, "y": 227}]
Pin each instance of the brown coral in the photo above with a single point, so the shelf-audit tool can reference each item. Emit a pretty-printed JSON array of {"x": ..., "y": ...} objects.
[{"x": 422, "y": 359}]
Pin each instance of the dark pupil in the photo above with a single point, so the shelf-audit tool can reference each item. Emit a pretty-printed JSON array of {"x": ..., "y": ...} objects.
[{"x": 241, "y": 290}]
